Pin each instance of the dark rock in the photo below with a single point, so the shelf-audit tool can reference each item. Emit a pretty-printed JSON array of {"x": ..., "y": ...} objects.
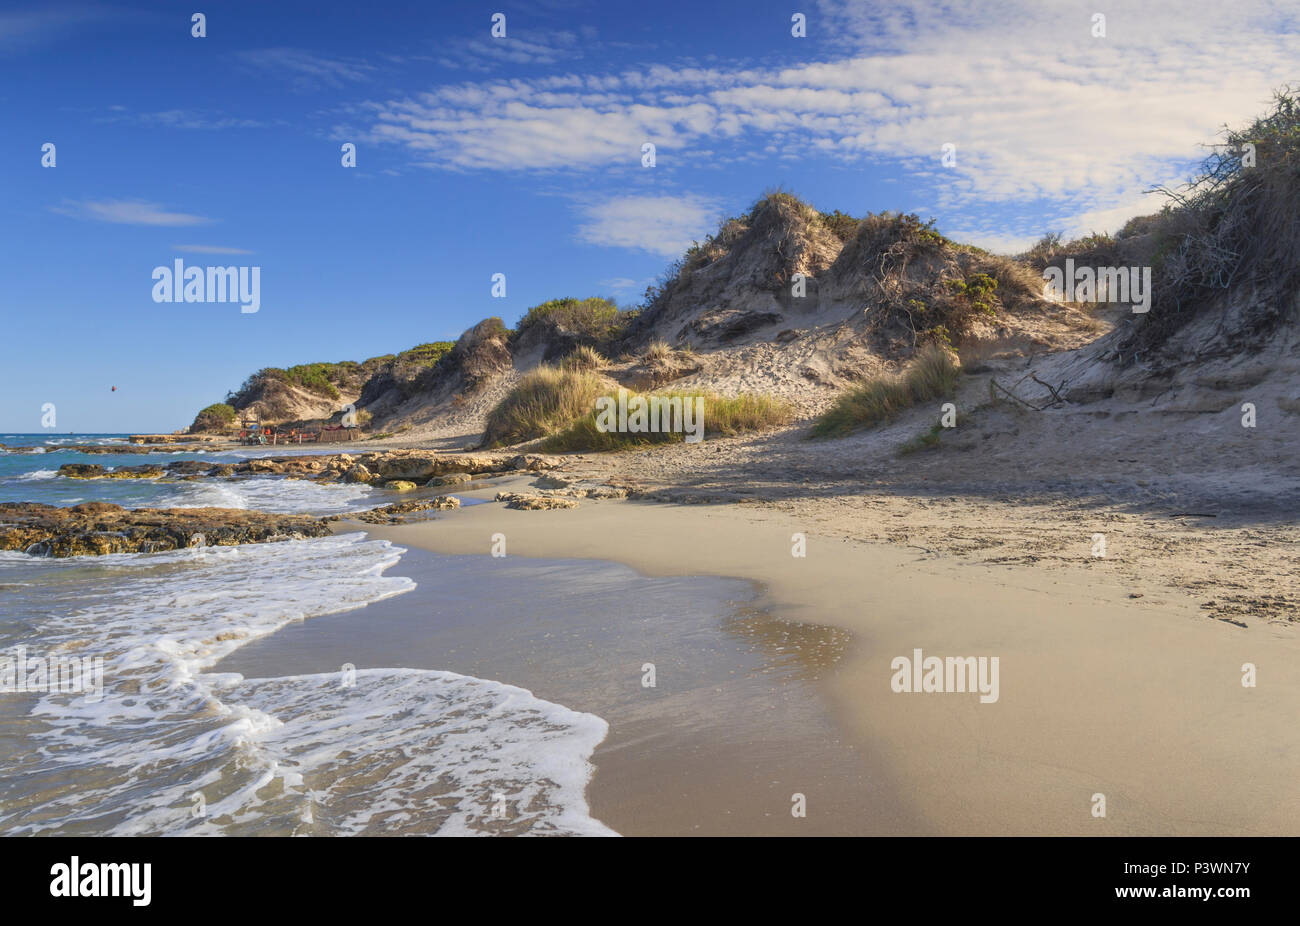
[
  {"x": 82, "y": 470},
  {"x": 189, "y": 468},
  {"x": 392, "y": 514},
  {"x": 357, "y": 473},
  {"x": 95, "y": 528},
  {"x": 146, "y": 471}
]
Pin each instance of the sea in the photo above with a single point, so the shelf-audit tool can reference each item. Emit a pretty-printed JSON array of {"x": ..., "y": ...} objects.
[{"x": 113, "y": 722}]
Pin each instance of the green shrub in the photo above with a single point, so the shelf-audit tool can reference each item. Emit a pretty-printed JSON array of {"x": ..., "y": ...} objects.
[
  {"x": 842, "y": 225},
  {"x": 927, "y": 441},
  {"x": 216, "y": 417},
  {"x": 315, "y": 377},
  {"x": 427, "y": 355},
  {"x": 595, "y": 318}
]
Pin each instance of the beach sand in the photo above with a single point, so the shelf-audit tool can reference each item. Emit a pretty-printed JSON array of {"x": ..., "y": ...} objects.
[
  {"x": 1139, "y": 699},
  {"x": 732, "y": 727}
]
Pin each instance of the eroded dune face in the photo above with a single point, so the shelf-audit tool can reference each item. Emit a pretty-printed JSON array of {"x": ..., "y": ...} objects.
[{"x": 802, "y": 305}]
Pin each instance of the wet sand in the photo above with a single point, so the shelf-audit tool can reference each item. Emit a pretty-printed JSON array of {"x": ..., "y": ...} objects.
[
  {"x": 731, "y": 730},
  {"x": 1137, "y": 699}
]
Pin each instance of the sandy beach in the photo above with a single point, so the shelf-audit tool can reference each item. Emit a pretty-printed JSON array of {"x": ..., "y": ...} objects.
[
  {"x": 1139, "y": 699},
  {"x": 868, "y": 420}
]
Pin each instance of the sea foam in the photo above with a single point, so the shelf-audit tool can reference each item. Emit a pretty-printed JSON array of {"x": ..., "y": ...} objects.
[{"x": 173, "y": 748}]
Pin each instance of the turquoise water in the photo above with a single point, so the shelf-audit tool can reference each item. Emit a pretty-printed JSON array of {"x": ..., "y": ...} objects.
[
  {"x": 147, "y": 739},
  {"x": 33, "y": 477}
]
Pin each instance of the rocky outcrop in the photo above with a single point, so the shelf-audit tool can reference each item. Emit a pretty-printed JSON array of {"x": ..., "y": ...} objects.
[
  {"x": 394, "y": 514},
  {"x": 534, "y": 462},
  {"x": 96, "y": 528},
  {"x": 122, "y": 449},
  {"x": 95, "y": 471},
  {"x": 82, "y": 470},
  {"x": 358, "y": 473},
  {"x": 378, "y": 468},
  {"x": 450, "y": 479},
  {"x": 157, "y": 439},
  {"x": 523, "y": 502}
]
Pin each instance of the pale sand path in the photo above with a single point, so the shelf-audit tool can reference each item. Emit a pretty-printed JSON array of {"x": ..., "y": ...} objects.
[{"x": 1138, "y": 699}]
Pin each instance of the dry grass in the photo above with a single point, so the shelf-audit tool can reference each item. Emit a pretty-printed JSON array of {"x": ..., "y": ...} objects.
[
  {"x": 544, "y": 401},
  {"x": 658, "y": 350},
  {"x": 1231, "y": 232},
  {"x": 723, "y": 416},
  {"x": 931, "y": 374},
  {"x": 584, "y": 358}
]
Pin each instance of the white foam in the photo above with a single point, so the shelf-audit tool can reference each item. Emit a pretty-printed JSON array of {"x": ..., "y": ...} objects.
[
  {"x": 37, "y": 474},
  {"x": 401, "y": 750},
  {"x": 275, "y": 495}
]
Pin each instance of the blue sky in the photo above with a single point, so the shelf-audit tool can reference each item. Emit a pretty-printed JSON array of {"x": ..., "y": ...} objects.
[{"x": 522, "y": 155}]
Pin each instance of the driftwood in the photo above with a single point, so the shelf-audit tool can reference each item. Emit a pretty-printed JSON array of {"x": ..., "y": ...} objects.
[{"x": 1055, "y": 391}]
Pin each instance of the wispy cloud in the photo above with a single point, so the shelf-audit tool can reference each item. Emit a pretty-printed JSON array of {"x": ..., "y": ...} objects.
[
  {"x": 127, "y": 212},
  {"x": 664, "y": 225},
  {"x": 1039, "y": 109},
  {"x": 21, "y": 30},
  {"x": 620, "y": 286},
  {"x": 180, "y": 119},
  {"x": 306, "y": 70},
  {"x": 207, "y": 249},
  {"x": 543, "y": 48}
]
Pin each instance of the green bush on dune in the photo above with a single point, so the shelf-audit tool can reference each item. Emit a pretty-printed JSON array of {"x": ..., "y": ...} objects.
[
  {"x": 216, "y": 417},
  {"x": 595, "y": 318},
  {"x": 314, "y": 377}
]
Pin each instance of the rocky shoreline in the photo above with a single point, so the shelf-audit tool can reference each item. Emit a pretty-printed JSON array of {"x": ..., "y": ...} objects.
[
  {"x": 112, "y": 448},
  {"x": 395, "y": 469},
  {"x": 97, "y": 528}
]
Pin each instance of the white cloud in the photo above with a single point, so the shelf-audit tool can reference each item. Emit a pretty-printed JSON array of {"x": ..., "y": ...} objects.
[
  {"x": 1040, "y": 110},
  {"x": 515, "y": 48},
  {"x": 620, "y": 286},
  {"x": 664, "y": 225},
  {"x": 181, "y": 119},
  {"x": 23, "y": 30},
  {"x": 305, "y": 70},
  {"x": 128, "y": 212}
]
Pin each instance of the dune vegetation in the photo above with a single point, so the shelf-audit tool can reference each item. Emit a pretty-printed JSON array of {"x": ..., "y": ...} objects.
[{"x": 931, "y": 374}]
